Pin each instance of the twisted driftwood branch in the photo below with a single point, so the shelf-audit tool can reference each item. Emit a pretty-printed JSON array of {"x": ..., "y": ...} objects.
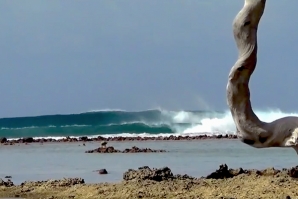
[{"x": 250, "y": 129}]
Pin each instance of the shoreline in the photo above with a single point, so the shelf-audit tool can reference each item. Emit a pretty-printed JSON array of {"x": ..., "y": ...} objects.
[
  {"x": 12, "y": 141},
  {"x": 145, "y": 182}
]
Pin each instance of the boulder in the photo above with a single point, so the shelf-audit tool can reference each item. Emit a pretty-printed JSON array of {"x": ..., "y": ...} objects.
[
  {"x": 28, "y": 140},
  {"x": 84, "y": 138},
  {"x": 225, "y": 172},
  {"x": 293, "y": 172},
  {"x": 3, "y": 139},
  {"x": 102, "y": 171}
]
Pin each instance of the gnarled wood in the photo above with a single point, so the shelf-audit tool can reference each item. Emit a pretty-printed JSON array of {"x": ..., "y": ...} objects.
[{"x": 250, "y": 129}]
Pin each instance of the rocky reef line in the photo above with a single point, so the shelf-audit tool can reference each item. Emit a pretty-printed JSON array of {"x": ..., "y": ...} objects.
[
  {"x": 133, "y": 149},
  {"x": 6, "y": 141}
]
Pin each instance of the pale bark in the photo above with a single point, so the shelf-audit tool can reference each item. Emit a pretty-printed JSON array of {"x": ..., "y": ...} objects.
[{"x": 250, "y": 129}]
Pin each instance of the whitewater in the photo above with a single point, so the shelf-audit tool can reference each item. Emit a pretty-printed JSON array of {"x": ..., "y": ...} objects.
[{"x": 111, "y": 123}]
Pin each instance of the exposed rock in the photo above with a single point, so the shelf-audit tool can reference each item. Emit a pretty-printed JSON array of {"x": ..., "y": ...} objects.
[
  {"x": 117, "y": 138},
  {"x": 293, "y": 172},
  {"x": 134, "y": 149},
  {"x": 109, "y": 149},
  {"x": 145, "y": 173},
  {"x": 7, "y": 177},
  {"x": 28, "y": 140},
  {"x": 7, "y": 183},
  {"x": 224, "y": 172},
  {"x": 183, "y": 177},
  {"x": 3, "y": 139},
  {"x": 56, "y": 183},
  {"x": 102, "y": 171},
  {"x": 84, "y": 138}
]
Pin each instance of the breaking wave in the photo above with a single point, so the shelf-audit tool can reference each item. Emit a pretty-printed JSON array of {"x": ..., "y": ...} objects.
[{"x": 123, "y": 123}]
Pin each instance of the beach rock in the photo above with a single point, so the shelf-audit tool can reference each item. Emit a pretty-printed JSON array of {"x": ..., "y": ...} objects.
[
  {"x": 183, "y": 177},
  {"x": 68, "y": 139},
  {"x": 3, "y": 139},
  {"x": 109, "y": 149},
  {"x": 100, "y": 138},
  {"x": 293, "y": 172},
  {"x": 118, "y": 138},
  {"x": 42, "y": 140},
  {"x": 84, "y": 138},
  {"x": 65, "y": 182},
  {"x": 134, "y": 149},
  {"x": 268, "y": 172},
  {"x": 7, "y": 177},
  {"x": 224, "y": 172},
  {"x": 7, "y": 183},
  {"x": 221, "y": 173},
  {"x": 102, "y": 171},
  {"x": 145, "y": 173},
  {"x": 28, "y": 140}
]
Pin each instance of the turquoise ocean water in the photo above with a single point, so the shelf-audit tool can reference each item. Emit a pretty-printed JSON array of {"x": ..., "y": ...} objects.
[{"x": 124, "y": 123}]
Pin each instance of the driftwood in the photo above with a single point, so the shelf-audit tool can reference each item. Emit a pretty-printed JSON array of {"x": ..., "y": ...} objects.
[{"x": 250, "y": 129}]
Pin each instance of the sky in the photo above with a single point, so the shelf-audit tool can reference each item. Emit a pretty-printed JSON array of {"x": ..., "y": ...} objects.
[{"x": 71, "y": 56}]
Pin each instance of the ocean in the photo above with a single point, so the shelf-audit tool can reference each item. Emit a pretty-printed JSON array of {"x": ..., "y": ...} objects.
[
  {"x": 197, "y": 158},
  {"x": 110, "y": 123},
  {"x": 37, "y": 161}
]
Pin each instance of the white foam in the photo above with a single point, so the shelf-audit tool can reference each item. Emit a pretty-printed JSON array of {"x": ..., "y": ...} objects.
[{"x": 225, "y": 124}]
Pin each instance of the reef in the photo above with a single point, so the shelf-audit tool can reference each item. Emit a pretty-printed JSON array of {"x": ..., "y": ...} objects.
[
  {"x": 146, "y": 183},
  {"x": 6, "y": 141},
  {"x": 134, "y": 149}
]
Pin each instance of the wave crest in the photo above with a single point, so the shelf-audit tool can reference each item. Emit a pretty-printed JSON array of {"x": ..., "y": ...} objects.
[{"x": 157, "y": 122}]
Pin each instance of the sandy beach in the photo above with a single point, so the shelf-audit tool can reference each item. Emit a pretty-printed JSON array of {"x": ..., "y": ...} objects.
[{"x": 161, "y": 183}]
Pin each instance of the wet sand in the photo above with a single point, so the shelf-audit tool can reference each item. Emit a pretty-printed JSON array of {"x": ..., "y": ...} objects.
[{"x": 161, "y": 183}]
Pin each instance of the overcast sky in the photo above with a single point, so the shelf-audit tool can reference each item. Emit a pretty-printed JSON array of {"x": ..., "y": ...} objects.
[{"x": 73, "y": 56}]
